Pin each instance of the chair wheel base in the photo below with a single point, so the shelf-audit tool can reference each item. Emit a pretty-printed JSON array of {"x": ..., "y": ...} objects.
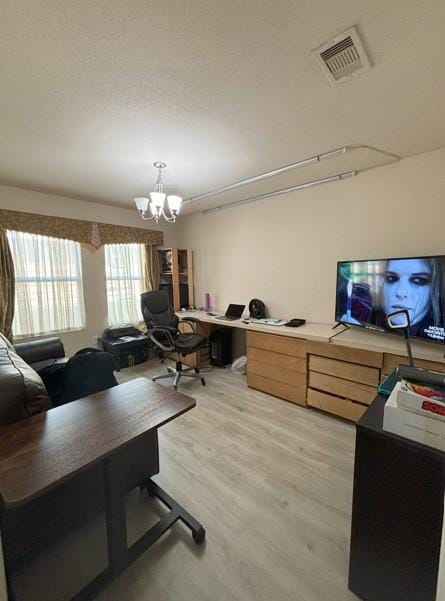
[
  {"x": 199, "y": 535},
  {"x": 179, "y": 373}
]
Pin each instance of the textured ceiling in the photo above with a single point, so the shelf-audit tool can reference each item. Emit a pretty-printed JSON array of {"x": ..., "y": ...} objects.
[{"x": 92, "y": 93}]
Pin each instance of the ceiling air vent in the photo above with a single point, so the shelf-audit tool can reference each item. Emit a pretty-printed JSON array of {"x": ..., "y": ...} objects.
[{"x": 343, "y": 57}]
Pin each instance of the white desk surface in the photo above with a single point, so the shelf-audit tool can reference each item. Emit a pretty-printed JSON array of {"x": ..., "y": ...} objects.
[
  {"x": 322, "y": 332},
  {"x": 311, "y": 331}
]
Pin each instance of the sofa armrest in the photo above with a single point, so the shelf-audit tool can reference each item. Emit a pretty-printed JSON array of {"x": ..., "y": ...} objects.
[
  {"x": 23, "y": 392},
  {"x": 36, "y": 351}
]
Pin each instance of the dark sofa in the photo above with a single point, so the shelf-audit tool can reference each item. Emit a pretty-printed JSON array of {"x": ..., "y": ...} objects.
[
  {"x": 28, "y": 530},
  {"x": 22, "y": 390}
]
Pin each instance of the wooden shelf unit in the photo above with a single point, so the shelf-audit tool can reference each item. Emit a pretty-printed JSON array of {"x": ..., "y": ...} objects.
[{"x": 176, "y": 276}]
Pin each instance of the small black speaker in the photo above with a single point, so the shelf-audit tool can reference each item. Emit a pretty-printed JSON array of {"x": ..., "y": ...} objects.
[{"x": 257, "y": 309}]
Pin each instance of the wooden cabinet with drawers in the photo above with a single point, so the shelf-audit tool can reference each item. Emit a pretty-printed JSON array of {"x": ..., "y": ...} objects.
[
  {"x": 390, "y": 362},
  {"x": 277, "y": 365},
  {"x": 202, "y": 357},
  {"x": 342, "y": 380},
  {"x": 312, "y": 370}
]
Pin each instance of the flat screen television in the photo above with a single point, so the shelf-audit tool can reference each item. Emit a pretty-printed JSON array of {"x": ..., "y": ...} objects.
[{"x": 368, "y": 290}]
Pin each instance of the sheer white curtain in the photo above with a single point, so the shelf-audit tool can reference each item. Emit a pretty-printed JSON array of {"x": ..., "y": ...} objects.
[
  {"x": 48, "y": 284},
  {"x": 124, "y": 267}
]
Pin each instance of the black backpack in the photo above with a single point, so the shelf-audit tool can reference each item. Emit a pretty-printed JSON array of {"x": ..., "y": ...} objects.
[{"x": 87, "y": 372}]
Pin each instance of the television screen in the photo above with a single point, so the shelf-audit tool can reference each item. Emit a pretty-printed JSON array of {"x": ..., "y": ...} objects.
[{"x": 367, "y": 291}]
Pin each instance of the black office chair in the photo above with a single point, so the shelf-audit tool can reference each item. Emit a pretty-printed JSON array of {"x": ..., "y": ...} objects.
[{"x": 162, "y": 324}]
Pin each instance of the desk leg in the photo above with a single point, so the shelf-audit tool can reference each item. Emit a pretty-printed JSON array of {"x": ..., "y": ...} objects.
[
  {"x": 177, "y": 512},
  {"x": 198, "y": 532},
  {"x": 116, "y": 523},
  {"x": 119, "y": 555},
  {"x": 6, "y": 593},
  {"x": 115, "y": 514}
]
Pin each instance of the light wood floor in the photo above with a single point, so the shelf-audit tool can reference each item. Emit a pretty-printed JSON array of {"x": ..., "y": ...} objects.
[
  {"x": 272, "y": 484},
  {"x": 270, "y": 481}
]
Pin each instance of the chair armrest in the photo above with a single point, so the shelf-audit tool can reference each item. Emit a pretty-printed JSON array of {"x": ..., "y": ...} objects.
[
  {"x": 191, "y": 321},
  {"x": 164, "y": 329},
  {"x": 167, "y": 332}
]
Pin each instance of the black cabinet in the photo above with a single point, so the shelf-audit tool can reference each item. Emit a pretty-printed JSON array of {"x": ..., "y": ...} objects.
[
  {"x": 127, "y": 350},
  {"x": 397, "y": 514}
]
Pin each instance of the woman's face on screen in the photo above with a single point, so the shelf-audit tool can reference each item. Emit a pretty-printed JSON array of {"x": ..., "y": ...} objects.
[{"x": 407, "y": 285}]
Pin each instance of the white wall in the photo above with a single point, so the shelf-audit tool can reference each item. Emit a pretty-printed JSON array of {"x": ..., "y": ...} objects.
[
  {"x": 284, "y": 249},
  {"x": 93, "y": 262}
]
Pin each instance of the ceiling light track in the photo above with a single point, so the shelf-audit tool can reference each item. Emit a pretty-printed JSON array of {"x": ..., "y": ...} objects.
[
  {"x": 299, "y": 165},
  {"x": 312, "y": 184},
  {"x": 262, "y": 176}
]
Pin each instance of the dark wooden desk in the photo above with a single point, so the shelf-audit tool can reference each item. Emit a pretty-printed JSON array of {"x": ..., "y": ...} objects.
[
  {"x": 397, "y": 514},
  {"x": 43, "y": 451}
]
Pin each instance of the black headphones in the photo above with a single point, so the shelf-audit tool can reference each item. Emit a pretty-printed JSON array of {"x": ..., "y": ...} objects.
[{"x": 257, "y": 309}]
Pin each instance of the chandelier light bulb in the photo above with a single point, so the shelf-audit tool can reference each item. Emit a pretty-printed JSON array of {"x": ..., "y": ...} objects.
[
  {"x": 157, "y": 198},
  {"x": 174, "y": 203},
  {"x": 141, "y": 204}
]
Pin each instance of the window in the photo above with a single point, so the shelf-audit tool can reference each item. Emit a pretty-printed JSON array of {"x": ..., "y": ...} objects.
[
  {"x": 124, "y": 267},
  {"x": 48, "y": 285}
]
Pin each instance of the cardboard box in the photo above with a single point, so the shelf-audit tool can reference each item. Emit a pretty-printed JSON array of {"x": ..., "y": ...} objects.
[
  {"x": 423, "y": 399},
  {"x": 426, "y": 430}
]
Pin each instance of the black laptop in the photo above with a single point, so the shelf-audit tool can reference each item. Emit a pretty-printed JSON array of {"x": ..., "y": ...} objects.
[{"x": 233, "y": 312}]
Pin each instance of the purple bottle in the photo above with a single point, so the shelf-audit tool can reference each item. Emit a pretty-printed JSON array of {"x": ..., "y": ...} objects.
[{"x": 207, "y": 303}]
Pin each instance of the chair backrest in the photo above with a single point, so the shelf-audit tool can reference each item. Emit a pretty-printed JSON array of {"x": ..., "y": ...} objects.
[
  {"x": 156, "y": 309},
  {"x": 87, "y": 372}
]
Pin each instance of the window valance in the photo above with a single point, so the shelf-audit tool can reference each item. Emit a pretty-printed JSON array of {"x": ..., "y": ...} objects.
[{"x": 89, "y": 233}]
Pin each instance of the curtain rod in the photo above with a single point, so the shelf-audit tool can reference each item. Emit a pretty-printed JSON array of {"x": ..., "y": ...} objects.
[{"x": 317, "y": 182}]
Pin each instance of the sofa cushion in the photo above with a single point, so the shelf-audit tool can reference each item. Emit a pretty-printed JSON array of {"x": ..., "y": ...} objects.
[{"x": 22, "y": 390}]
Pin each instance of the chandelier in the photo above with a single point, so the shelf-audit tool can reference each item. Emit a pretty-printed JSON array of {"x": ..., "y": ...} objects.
[{"x": 155, "y": 204}]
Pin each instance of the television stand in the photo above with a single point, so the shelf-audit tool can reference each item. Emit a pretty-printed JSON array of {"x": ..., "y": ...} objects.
[{"x": 345, "y": 329}]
